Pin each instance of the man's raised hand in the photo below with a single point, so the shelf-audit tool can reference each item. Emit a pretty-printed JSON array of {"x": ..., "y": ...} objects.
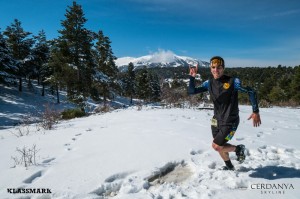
[{"x": 193, "y": 70}]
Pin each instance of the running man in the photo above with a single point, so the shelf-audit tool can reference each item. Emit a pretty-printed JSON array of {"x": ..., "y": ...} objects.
[{"x": 223, "y": 92}]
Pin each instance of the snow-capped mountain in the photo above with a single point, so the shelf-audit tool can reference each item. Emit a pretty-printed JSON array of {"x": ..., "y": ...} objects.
[{"x": 159, "y": 59}]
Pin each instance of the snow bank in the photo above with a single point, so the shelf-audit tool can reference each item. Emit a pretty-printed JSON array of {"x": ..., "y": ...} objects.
[{"x": 155, "y": 153}]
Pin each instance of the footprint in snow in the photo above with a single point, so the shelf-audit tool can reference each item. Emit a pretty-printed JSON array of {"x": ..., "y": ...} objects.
[
  {"x": 263, "y": 147},
  {"x": 212, "y": 165},
  {"x": 195, "y": 152},
  {"x": 270, "y": 155},
  {"x": 48, "y": 160},
  {"x": 117, "y": 176},
  {"x": 68, "y": 146},
  {"x": 198, "y": 156},
  {"x": 33, "y": 177},
  {"x": 112, "y": 185},
  {"x": 260, "y": 134}
]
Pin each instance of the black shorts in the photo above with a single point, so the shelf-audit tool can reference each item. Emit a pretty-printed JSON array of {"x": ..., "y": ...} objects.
[{"x": 224, "y": 132}]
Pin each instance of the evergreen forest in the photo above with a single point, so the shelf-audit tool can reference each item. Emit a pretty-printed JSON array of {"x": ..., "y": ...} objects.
[{"x": 82, "y": 63}]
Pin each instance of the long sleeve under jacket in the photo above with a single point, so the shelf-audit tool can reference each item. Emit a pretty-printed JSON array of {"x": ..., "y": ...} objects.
[{"x": 224, "y": 94}]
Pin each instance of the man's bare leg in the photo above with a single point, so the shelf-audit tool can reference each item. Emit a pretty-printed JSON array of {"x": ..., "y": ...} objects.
[{"x": 224, "y": 153}]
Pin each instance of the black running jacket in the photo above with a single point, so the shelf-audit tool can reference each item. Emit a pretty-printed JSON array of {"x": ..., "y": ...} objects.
[{"x": 224, "y": 94}]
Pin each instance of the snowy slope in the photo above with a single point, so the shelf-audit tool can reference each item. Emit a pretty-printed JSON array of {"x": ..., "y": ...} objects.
[
  {"x": 121, "y": 154},
  {"x": 159, "y": 59},
  {"x": 16, "y": 106}
]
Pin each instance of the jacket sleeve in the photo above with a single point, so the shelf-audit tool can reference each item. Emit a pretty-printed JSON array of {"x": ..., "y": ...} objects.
[
  {"x": 194, "y": 90},
  {"x": 252, "y": 94}
]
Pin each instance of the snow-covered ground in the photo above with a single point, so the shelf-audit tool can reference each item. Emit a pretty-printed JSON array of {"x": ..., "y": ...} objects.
[
  {"x": 154, "y": 153},
  {"x": 28, "y": 105}
]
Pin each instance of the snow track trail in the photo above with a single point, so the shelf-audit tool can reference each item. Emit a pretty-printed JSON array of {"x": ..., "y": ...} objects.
[{"x": 155, "y": 154}]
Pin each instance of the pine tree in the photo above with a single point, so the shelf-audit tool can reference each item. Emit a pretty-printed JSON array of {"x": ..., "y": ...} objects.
[
  {"x": 148, "y": 87},
  {"x": 20, "y": 45},
  {"x": 130, "y": 81},
  {"x": 59, "y": 68},
  {"x": 265, "y": 89},
  {"x": 41, "y": 54},
  {"x": 155, "y": 90},
  {"x": 285, "y": 84},
  {"x": 7, "y": 63},
  {"x": 142, "y": 84},
  {"x": 76, "y": 48},
  {"x": 106, "y": 70},
  {"x": 295, "y": 85},
  {"x": 276, "y": 95}
]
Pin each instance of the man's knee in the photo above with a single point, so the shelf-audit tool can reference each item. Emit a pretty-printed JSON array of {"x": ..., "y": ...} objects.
[{"x": 217, "y": 147}]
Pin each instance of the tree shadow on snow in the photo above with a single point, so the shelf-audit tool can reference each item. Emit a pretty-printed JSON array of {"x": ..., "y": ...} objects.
[{"x": 275, "y": 172}]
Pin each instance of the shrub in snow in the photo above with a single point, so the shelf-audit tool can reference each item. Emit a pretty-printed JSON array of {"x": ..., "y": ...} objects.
[
  {"x": 26, "y": 156},
  {"x": 72, "y": 113},
  {"x": 49, "y": 117},
  {"x": 22, "y": 130}
]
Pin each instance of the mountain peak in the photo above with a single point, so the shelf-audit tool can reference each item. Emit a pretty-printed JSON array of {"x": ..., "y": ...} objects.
[{"x": 162, "y": 58}]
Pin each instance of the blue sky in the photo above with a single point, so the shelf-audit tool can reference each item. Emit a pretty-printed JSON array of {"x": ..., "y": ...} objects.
[{"x": 244, "y": 32}]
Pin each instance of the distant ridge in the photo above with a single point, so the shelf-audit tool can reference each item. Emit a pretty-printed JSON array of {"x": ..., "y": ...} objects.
[{"x": 160, "y": 59}]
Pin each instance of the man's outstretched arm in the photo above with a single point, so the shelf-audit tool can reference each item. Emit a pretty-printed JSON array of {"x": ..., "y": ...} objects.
[{"x": 253, "y": 99}]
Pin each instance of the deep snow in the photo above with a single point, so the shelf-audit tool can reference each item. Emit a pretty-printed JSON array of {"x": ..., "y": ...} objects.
[{"x": 121, "y": 154}]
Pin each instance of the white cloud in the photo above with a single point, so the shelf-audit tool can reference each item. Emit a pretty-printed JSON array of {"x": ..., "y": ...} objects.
[{"x": 162, "y": 56}]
